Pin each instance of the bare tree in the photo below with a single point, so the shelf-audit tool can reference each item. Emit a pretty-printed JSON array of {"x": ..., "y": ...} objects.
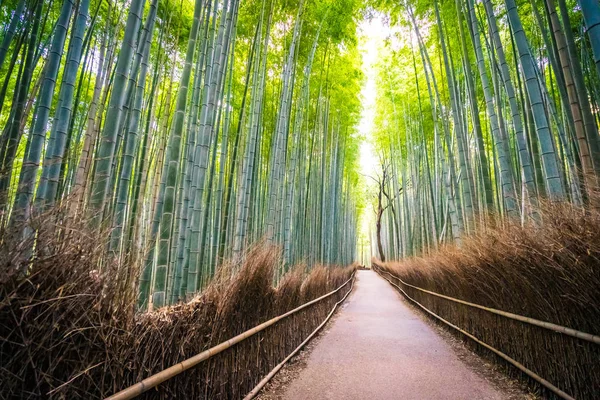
[{"x": 383, "y": 182}]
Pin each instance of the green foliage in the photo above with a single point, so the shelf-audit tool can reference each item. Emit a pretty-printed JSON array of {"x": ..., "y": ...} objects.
[
  {"x": 418, "y": 128},
  {"x": 148, "y": 156}
]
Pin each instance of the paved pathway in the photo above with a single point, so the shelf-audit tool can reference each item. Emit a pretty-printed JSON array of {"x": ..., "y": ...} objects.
[{"x": 378, "y": 348}]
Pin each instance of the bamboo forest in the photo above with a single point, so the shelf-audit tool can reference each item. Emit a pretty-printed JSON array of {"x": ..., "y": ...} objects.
[{"x": 174, "y": 173}]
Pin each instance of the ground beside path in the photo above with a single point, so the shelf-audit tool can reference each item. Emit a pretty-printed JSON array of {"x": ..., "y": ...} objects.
[{"x": 380, "y": 348}]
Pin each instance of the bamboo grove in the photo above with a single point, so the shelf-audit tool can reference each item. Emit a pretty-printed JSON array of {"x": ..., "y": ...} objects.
[
  {"x": 189, "y": 129},
  {"x": 484, "y": 107}
]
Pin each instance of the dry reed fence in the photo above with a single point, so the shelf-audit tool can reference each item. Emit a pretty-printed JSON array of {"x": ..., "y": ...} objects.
[
  {"x": 68, "y": 331},
  {"x": 549, "y": 272}
]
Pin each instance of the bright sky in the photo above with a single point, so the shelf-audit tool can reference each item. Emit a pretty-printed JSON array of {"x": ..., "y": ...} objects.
[{"x": 371, "y": 33}]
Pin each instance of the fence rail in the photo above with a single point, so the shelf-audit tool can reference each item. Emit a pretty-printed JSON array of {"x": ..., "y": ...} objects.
[
  {"x": 160, "y": 377},
  {"x": 504, "y": 356},
  {"x": 543, "y": 324},
  {"x": 274, "y": 371}
]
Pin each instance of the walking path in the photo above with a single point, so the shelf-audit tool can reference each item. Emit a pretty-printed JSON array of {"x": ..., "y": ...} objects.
[{"x": 379, "y": 348}]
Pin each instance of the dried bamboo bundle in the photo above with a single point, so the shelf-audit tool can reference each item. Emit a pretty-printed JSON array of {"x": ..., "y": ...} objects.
[{"x": 69, "y": 330}]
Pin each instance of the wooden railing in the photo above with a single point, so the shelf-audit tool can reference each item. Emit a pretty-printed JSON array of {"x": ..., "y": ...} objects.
[
  {"x": 160, "y": 377},
  {"x": 531, "y": 321}
]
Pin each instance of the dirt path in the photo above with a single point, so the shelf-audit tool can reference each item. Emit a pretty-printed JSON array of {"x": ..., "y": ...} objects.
[{"x": 379, "y": 348}]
